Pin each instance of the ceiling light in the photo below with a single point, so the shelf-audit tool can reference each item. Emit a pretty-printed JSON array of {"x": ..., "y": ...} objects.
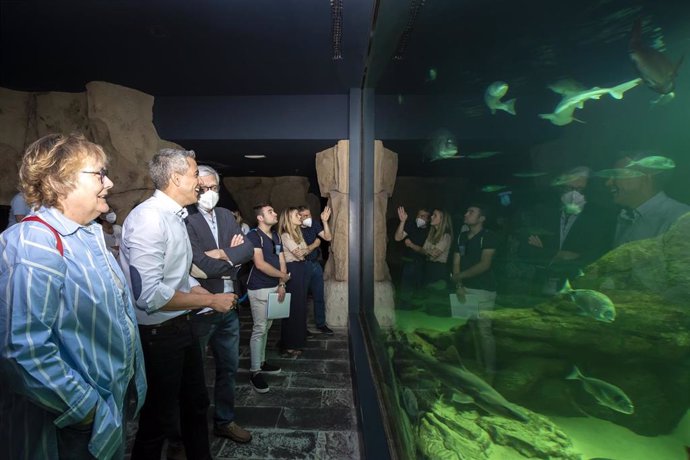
[{"x": 255, "y": 157}]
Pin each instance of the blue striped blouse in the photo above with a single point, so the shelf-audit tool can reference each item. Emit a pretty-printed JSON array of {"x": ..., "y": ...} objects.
[{"x": 68, "y": 338}]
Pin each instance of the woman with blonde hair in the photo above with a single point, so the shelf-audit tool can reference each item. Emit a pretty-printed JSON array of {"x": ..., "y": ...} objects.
[
  {"x": 293, "y": 330},
  {"x": 436, "y": 248},
  {"x": 70, "y": 354}
]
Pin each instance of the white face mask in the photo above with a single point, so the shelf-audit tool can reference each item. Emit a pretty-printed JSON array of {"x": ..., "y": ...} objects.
[
  {"x": 307, "y": 222},
  {"x": 573, "y": 202},
  {"x": 111, "y": 217},
  {"x": 208, "y": 200},
  {"x": 421, "y": 223}
]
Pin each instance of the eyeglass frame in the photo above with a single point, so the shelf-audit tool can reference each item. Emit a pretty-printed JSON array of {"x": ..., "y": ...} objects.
[
  {"x": 103, "y": 172},
  {"x": 213, "y": 188}
]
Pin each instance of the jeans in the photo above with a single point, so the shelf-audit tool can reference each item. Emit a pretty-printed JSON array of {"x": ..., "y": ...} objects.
[
  {"x": 314, "y": 279},
  {"x": 225, "y": 345},
  {"x": 176, "y": 393},
  {"x": 258, "y": 299}
]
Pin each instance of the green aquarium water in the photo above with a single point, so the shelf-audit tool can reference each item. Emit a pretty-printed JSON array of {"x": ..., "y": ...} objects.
[{"x": 538, "y": 230}]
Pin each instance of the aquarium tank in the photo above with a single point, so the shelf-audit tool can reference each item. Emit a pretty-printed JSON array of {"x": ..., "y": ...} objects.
[{"x": 535, "y": 296}]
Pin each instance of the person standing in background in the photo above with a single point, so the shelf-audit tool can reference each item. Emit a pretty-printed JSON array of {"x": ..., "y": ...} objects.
[
  {"x": 313, "y": 232},
  {"x": 413, "y": 235},
  {"x": 293, "y": 329},
  {"x": 18, "y": 210},
  {"x": 112, "y": 233},
  {"x": 219, "y": 250}
]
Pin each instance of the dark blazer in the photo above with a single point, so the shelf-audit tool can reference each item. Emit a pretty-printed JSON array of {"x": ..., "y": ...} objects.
[{"x": 202, "y": 240}]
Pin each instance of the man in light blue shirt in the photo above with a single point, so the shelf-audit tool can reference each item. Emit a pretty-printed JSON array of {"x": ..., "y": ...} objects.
[
  {"x": 647, "y": 210},
  {"x": 156, "y": 256},
  {"x": 18, "y": 210}
]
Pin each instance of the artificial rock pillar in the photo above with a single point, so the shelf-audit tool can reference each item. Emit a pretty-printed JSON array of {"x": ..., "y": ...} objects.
[{"x": 332, "y": 166}]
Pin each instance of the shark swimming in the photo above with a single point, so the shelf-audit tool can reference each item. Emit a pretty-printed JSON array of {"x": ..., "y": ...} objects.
[{"x": 564, "y": 112}]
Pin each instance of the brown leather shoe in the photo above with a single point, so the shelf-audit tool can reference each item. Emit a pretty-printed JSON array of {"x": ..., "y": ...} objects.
[{"x": 233, "y": 431}]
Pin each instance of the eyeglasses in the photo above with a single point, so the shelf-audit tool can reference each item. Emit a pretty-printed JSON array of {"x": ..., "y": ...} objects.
[
  {"x": 204, "y": 189},
  {"x": 103, "y": 172}
]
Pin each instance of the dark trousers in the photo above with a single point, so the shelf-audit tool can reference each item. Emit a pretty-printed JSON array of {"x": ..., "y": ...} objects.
[
  {"x": 176, "y": 392},
  {"x": 314, "y": 276},
  {"x": 293, "y": 330},
  {"x": 411, "y": 281}
]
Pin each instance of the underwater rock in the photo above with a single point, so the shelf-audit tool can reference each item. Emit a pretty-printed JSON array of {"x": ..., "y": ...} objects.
[
  {"x": 445, "y": 433},
  {"x": 539, "y": 438},
  {"x": 640, "y": 352}
]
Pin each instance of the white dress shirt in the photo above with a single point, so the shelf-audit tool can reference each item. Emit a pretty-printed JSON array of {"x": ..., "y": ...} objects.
[{"x": 156, "y": 256}]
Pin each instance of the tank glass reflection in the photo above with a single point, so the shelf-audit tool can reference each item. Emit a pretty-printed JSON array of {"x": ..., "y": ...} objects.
[{"x": 532, "y": 183}]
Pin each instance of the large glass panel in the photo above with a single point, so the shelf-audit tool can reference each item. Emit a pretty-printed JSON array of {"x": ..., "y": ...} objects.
[{"x": 535, "y": 300}]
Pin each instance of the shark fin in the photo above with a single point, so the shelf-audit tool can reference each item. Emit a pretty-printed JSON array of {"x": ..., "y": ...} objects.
[
  {"x": 579, "y": 121},
  {"x": 575, "y": 374},
  {"x": 680, "y": 61}
]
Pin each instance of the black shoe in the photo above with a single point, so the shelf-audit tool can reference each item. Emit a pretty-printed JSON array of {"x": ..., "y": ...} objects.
[
  {"x": 258, "y": 383},
  {"x": 311, "y": 334},
  {"x": 325, "y": 330},
  {"x": 268, "y": 368}
]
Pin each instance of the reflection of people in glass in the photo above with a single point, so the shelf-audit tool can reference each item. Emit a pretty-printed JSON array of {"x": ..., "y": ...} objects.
[
  {"x": 647, "y": 210},
  {"x": 583, "y": 230},
  {"x": 473, "y": 274},
  {"x": 413, "y": 235},
  {"x": 436, "y": 248},
  {"x": 70, "y": 355},
  {"x": 112, "y": 233}
]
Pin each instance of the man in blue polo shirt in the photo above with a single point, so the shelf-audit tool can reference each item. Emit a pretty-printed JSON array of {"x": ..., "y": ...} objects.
[{"x": 313, "y": 231}]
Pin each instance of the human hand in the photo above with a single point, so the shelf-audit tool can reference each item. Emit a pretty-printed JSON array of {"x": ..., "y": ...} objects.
[
  {"x": 402, "y": 215},
  {"x": 460, "y": 292},
  {"x": 408, "y": 243},
  {"x": 223, "y": 303},
  {"x": 281, "y": 293},
  {"x": 534, "y": 240},
  {"x": 237, "y": 240},
  {"x": 325, "y": 214},
  {"x": 215, "y": 254}
]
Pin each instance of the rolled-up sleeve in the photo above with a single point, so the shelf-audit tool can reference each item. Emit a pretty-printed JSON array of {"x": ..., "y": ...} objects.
[
  {"x": 145, "y": 239},
  {"x": 32, "y": 302}
]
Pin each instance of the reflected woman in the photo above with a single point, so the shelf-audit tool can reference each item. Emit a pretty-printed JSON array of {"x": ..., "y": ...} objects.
[
  {"x": 70, "y": 356},
  {"x": 436, "y": 248},
  {"x": 293, "y": 330}
]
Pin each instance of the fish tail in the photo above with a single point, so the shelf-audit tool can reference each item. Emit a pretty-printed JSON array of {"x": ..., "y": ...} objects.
[
  {"x": 575, "y": 374},
  {"x": 567, "y": 288},
  {"x": 510, "y": 106}
]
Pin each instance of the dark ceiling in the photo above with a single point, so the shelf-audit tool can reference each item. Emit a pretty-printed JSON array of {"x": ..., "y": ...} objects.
[{"x": 178, "y": 48}]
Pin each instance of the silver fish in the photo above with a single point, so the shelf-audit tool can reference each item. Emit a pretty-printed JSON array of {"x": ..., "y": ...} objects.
[
  {"x": 591, "y": 303},
  {"x": 493, "y": 95},
  {"x": 606, "y": 394}
]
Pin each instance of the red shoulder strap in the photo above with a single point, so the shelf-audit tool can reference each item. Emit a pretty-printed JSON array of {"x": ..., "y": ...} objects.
[{"x": 58, "y": 245}]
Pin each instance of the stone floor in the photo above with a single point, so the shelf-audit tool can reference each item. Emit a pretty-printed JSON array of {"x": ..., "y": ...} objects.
[{"x": 309, "y": 411}]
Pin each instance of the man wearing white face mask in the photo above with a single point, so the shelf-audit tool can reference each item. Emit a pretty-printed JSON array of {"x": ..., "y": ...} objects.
[
  {"x": 218, "y": 250},
  {"x": 112, "y": 233},
  {"x": 583, "y": 230},
  {"x": 312, "y": 232}
]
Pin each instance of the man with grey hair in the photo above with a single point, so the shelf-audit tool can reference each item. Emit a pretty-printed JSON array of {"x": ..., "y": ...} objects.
[
  {"x": 156, "y": 256},
  {"x": 219, "y": 250},
  {"x": 583, "y": 230}
]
